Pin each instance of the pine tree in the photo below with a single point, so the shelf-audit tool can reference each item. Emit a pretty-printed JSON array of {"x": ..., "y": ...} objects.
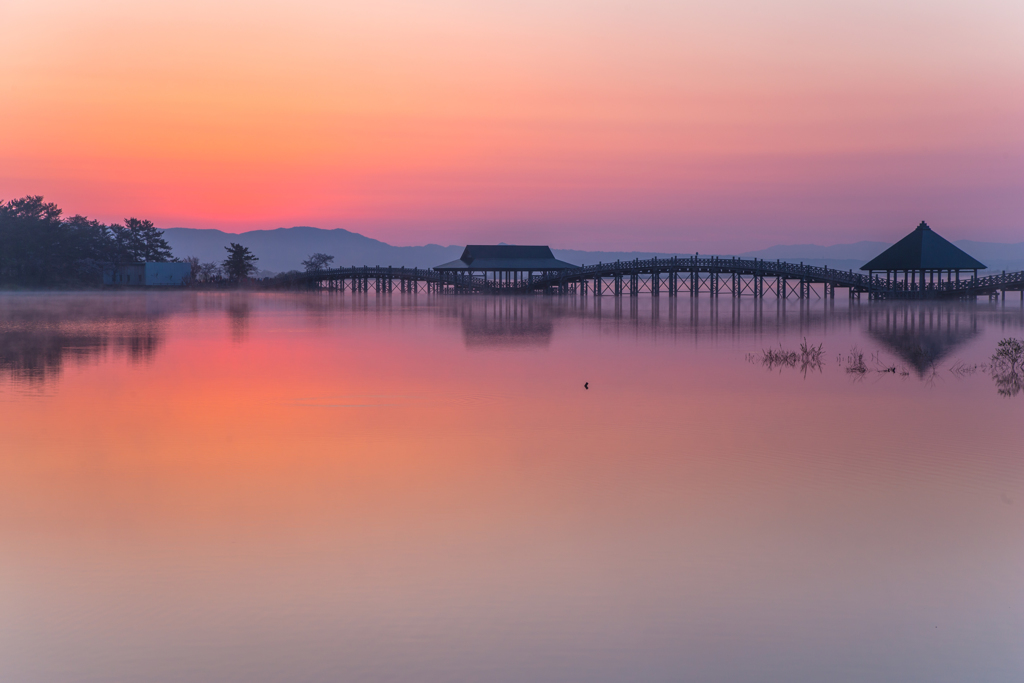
[
  {"x": 239, "y": 263},
  {"x": 145, "y": 242}
]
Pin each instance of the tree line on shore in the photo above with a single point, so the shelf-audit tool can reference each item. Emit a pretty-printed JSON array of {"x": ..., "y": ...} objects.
[{"x": 39, "y": 247}]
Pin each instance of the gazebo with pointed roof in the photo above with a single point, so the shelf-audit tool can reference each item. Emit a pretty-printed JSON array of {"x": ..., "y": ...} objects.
[{"x": 922, "y": 253}]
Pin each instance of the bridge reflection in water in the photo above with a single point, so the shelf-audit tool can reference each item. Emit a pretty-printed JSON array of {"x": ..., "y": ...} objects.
[
  {"x": 505, "y": 321},
  {"x": 938, "y": 326},
  {"x": 37, "y": 339}
]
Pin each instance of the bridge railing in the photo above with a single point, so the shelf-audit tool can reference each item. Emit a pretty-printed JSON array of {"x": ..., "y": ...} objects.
[
  {"x": 390, "y": 273},
  {"x": 714, "y": 264},
  {"x": 778, "y": 268}
]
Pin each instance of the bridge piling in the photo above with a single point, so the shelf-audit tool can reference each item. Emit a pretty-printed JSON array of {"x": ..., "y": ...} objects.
[{"x": 697, "y": 276}]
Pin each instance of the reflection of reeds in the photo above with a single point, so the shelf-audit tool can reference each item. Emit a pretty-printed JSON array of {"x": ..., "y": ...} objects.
[
  {"x": 778, "y": 357},
  {"x": 810, "y": 355},
  {"x": 809, "y": 358},
  {"x": 855, "y": 362},
  {"x": 1008, "y": 366},
  {"x": 962, "y": 369},
  {"x": 1009, "y": 355}
]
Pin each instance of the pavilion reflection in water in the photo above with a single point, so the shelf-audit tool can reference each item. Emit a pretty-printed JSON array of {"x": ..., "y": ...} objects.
[
  {"x": 39, "y": 337},
  {"x": 921, "y": 335},
  {"x": 508, "y": 321}
]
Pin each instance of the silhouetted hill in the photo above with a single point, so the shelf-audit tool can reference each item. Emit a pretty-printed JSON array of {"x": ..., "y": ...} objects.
[
  {"x": 285, "y": 248},
  {"x": 587, "y": 258},
  {"x": 846, "y": 256},
  {"x": 994, "y": 255},
  {"x": 858, "y": 251}
]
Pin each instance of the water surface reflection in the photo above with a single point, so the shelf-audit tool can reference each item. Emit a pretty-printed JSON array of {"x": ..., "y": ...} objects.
[
  {"x": 39, "y": 334},
  {"x": 320, "y": 487}
]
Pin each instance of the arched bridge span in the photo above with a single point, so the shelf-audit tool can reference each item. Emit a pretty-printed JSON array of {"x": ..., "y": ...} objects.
[
  {"x": 388, "y": 279},
  {"x": 672, "y": 276},
  {"x": 759, "y": 278}
]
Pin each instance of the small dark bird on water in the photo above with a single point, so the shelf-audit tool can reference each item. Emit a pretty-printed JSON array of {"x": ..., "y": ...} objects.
[{"x": 586, "y": 385}]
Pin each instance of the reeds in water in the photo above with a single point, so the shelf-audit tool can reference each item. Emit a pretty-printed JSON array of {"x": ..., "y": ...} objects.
[
  {"x": 855, "y": 362},
  {"x": 778, "y": 358},
  {"x": 809, "y": 358},
  {"x": 1008, "y": 366}
]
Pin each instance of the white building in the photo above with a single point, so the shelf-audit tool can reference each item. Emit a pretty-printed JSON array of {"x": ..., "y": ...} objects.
[{"x": 147, "y": 274}]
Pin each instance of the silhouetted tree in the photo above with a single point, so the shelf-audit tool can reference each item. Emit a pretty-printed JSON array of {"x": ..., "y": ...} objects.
[
  {"x": 208, "y": 272},
  {"x": 31, "y": 234},
  {"x": 317, "y": 261},
  {"x": 121, "y": 248},
  {"x": 194, "y": 268},
  {"x": 146, "y": 242},
  {"x": 40, "y": 247},
  {"x": 239, "y": 263}
]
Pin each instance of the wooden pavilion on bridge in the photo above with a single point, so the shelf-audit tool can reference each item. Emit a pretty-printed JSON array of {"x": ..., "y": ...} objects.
[
  {"x": 921, "y": 265},
  {"x": 505, "y": 265},
  {"x": 915, "y": 265}
]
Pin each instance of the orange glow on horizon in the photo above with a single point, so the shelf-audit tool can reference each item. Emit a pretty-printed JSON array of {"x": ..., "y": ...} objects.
[{"x": 648, "y": 126}]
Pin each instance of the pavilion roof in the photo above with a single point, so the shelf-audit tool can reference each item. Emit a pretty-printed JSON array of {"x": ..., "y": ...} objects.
[
  {"x": 485, "y": 257},
  {"x": 923, "y": 249}
]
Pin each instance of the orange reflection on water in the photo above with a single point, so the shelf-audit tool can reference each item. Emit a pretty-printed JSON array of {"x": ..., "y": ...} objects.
[{"x": 312, "y": 487}]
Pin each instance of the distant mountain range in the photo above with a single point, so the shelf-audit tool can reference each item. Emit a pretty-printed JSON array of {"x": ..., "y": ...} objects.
[
  {"x": 846, "y": 256},
  {"x": 284, "y": 249}
]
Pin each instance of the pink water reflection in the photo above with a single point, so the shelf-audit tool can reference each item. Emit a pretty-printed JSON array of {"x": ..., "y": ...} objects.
[{"x": 308, "y": 487}]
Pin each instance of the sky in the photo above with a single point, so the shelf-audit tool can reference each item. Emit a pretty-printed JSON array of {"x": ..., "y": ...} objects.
[{"x": 649, "y": 125}]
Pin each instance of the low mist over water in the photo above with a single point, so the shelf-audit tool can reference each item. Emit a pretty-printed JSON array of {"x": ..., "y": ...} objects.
[{"x": 233, "y": 486}]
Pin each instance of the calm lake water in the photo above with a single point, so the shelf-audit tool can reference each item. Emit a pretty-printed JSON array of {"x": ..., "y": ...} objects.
[{"x": 314, "y": 487}]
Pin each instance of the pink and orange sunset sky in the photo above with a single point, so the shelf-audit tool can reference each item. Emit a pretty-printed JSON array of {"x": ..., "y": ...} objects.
[{"x": 672, "y": 126}]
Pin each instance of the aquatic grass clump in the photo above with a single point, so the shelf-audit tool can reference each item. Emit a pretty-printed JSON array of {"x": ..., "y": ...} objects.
[
  {"x": 1009, "y": 355},
  {"x": 811, "y": 355},
  {"x": 778, "y": 357},
  {"x": 809, "y": 358},
  {"x": 962, "y": 369},
  {"x": 855, "y": 362},
  {"x": 1008, "y": 366}
]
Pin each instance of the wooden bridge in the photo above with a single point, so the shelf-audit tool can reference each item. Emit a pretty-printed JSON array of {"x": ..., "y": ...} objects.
[
  {"x": 386, "y": 280},
  {"x": 674, "y": 276},
  {"x": 760, "y": 278}
]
